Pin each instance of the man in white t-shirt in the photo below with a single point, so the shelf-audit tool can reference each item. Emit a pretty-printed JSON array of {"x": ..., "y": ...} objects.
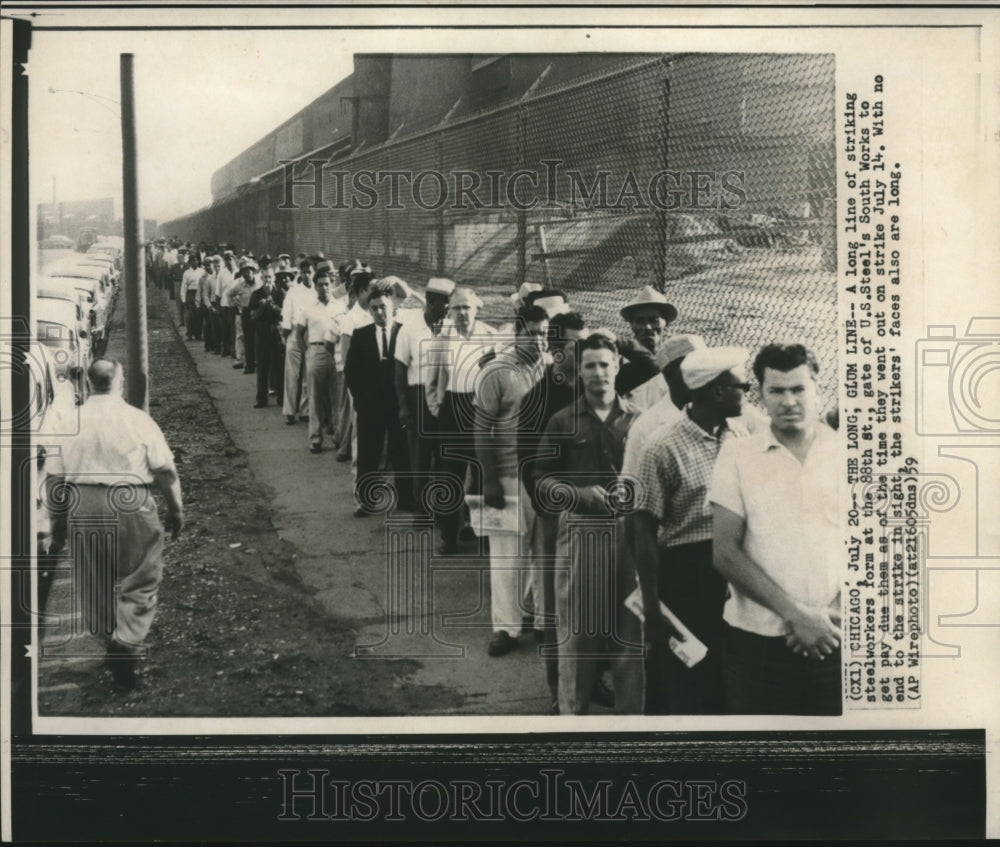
[{"x": 776, "y": 539}]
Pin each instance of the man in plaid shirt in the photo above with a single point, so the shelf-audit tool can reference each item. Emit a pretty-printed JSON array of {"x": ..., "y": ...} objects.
[{"x": 673, "y": 532}]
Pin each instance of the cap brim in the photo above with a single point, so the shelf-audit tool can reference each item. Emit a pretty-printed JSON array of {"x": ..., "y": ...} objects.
[{"x": 666, "y": 309}]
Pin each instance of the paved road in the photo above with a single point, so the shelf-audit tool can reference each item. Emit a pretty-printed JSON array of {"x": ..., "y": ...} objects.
[{"x": 343, "y": 559}]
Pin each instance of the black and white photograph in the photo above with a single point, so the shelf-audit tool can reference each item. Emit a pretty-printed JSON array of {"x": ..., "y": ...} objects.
[{"x": 413, "y": 418}]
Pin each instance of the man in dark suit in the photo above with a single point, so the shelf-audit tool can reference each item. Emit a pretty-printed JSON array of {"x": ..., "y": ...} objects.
[
  {"x": 370, "y": 373},
  {"x": 264, "y": 310}
]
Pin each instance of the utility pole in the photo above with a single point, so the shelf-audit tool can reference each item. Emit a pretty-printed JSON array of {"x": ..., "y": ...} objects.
[{"x": 134, "y": 268}]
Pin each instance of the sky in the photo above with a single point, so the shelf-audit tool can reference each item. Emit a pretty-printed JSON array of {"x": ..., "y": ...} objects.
[{"x": 202, "y": 97}]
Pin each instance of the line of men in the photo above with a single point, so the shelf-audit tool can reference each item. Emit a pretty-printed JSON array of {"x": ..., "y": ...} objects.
[{"x": 604, "y": 468}]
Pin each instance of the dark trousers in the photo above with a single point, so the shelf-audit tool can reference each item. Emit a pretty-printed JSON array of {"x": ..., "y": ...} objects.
[
  {"x": 270, "y": 361},
  {"x": 192, "y": 316},
  {"x": 764, "y": 677},
  {"x": 549, "y": 529},
  {"x": 228, "y": 327},
  {"x": 375, "y": 429},
  {"x": 249, "y": 340},
  {"x": 210, "y": 328},
  {"x": 696, "y": 593},
  {"x": 421, "y": 442},
  {"x": 456, "y": 433}
]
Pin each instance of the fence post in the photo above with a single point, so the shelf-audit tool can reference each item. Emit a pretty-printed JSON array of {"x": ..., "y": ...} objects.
[
  {"x": 522, "y": 215},
  {"x": 133, "y": 265},
  {"x": 662, "y": 163},
  {"x": 442, "y": 244}
]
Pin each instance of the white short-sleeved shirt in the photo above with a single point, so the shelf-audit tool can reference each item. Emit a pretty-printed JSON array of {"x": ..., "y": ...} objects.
[
  {"x": 320, "y": 321},
  {"x": 354, "y": 319},
  {"x": 661, "y": 414},
  {"x": 296, "y": 298},
  {"x": 792, "y": 516},
  {"x": 191, "y": 279},
  {"x": 226, "y": 281},
  {"x": 115, "y": 443},
  {"x": 645, "y": 396},
  {"x": 462, "y": 356},
  {"x": 415, "y": 349}
]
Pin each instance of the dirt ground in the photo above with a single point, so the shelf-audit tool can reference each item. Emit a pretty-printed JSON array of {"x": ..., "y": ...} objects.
[{"x": 237, "y": 633}]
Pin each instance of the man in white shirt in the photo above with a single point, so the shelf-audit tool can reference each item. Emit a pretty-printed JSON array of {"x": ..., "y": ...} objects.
[
  {"x": 300, "y": 295},
  {"x": 208, "y": 292},
  {"x": 190, "y": 288},
  {"x": 776, "y": 539},
  {"x": 239, "y": 296},
  {"x": 450, "y": 396},
  {"x": 226, "y": 280},
  {"x": 316, "y": 326},
  {"x": 413, "y": 372},
  {"x": 113, "y": 463}
]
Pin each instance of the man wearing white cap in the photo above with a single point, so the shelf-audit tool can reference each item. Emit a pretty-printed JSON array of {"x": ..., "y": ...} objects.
[
  {"x": 673, "y": 532},
  {"x": 668, "y": 408},
  {"x": 648, "y": 314},
  {"x": 450, "y": 397},
  {"x": 414, "y": 361},
  {"x": 777, "y": 541}
]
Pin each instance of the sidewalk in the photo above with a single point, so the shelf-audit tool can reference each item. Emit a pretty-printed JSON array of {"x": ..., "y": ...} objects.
[{"x": 432, "y": 610}]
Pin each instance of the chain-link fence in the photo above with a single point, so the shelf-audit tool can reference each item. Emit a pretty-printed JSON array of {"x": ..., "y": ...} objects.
[{"x": 709, "y": 176}]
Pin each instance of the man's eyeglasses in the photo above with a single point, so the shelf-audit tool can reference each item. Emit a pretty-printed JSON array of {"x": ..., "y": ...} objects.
[{"x": 742, "y": 386}]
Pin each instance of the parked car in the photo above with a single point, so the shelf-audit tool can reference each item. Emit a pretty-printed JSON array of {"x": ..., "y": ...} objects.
[
  {"x": 97, "y": 272},
  {"x": 54, "y": 417},
  {"x": 105, "y": 263},
  {"x": 49, "y": 291},
  {"x": 93, "y": 303},
  {"x": 56, "y": 327},
  {"x": 107, "y": 248}
]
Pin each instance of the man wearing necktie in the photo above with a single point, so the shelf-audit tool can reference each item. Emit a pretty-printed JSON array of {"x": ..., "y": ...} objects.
[{"x": 370, "y": 373}]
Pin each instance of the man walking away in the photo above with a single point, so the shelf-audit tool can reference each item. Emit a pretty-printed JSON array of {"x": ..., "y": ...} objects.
[{"x": 113, "y": 463}]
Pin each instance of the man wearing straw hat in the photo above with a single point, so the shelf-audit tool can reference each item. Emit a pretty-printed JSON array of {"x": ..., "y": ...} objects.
[{"x": 648, "y": 314}]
